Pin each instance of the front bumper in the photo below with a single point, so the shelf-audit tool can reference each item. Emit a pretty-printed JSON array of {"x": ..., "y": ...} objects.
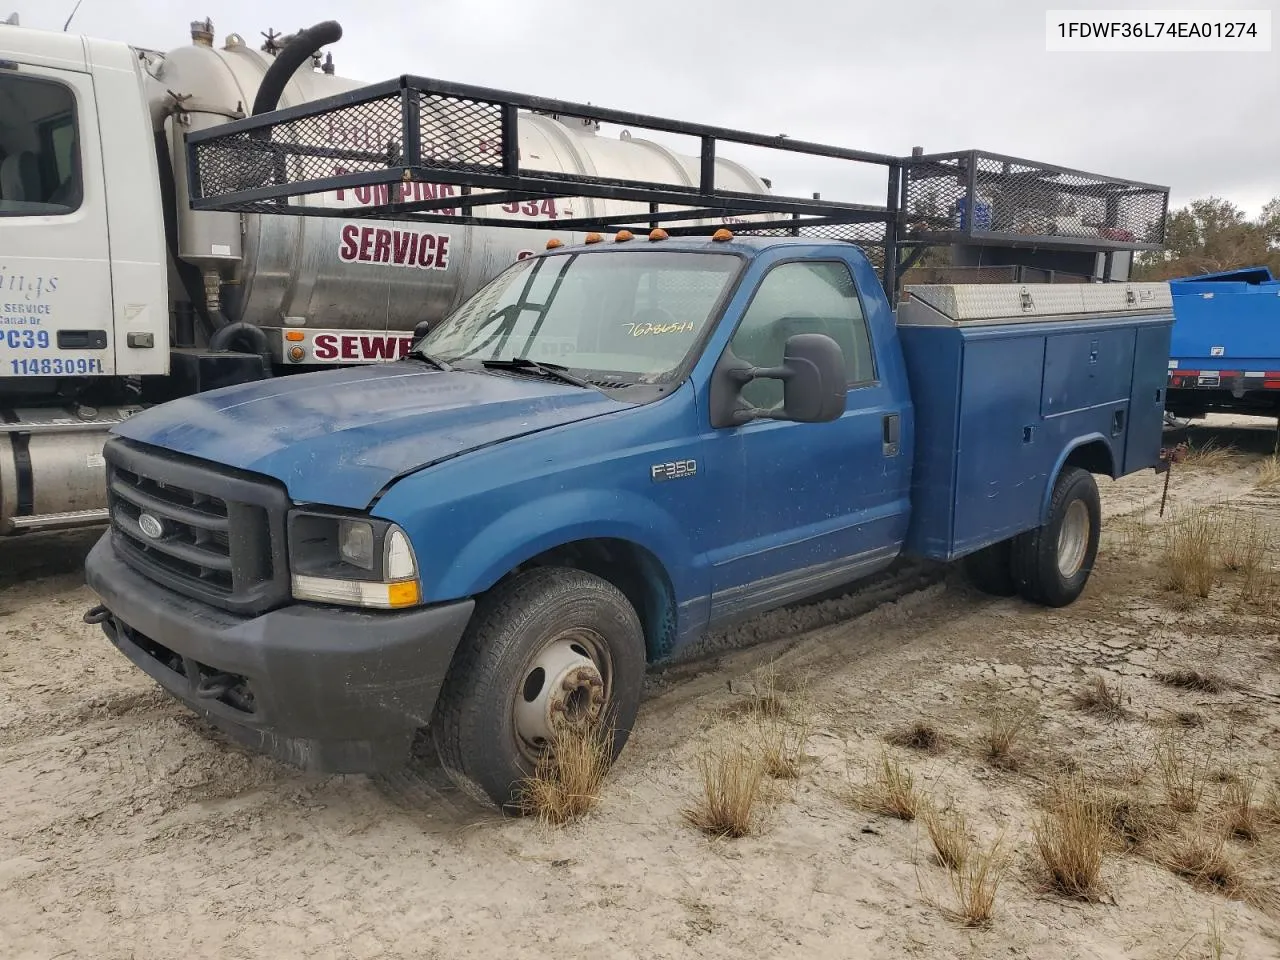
[{"x": 328, "y": 690}]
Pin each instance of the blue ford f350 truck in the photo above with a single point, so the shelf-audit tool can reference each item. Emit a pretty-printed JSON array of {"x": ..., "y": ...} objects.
[{"x": 614, "y": 446}]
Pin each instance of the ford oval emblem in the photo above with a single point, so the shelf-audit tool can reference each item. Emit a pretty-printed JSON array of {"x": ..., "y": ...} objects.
[{"x": 150, "y": 526}]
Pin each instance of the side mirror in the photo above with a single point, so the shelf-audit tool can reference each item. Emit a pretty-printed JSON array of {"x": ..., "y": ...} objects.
[
  {"x": 421, "y": 329},
  {"x": 814, "y": 384}
]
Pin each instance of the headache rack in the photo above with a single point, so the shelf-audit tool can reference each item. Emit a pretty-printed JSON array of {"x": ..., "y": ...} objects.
[{"x": 422, "y": 130}]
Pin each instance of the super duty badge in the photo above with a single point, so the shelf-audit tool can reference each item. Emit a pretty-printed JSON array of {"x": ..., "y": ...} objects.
[{"x": 676, "y": 470}]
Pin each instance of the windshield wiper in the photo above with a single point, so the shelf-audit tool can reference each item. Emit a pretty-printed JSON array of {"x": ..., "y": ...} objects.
[
  {"x": 421, "y": 354},
  {"x": 554, "y": 370}
]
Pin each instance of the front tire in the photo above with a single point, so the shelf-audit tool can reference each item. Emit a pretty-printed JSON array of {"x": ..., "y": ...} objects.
[
  {"x": 1052, "y": 563},
  {"x": 552, "y": 644}
]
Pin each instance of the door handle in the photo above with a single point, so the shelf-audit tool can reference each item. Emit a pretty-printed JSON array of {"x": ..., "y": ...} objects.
[{"x": 890, "y": 433}]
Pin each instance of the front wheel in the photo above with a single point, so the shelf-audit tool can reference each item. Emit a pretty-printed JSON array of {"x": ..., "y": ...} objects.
[
  {"x": 552, "y": 646},
  {"x": 1052, "y": 563}
]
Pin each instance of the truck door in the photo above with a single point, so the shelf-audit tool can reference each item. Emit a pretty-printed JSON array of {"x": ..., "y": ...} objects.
[
  {"x": 803, "y": 506},
  {"x": 55, "y": 276}
]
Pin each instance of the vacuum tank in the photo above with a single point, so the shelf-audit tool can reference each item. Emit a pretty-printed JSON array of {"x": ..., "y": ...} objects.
[{"x": 286, "y": 272}]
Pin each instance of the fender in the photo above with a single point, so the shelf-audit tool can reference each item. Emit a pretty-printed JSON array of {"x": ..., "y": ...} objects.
[
  {"x": 1067, "y": 451},
  {"x": 540, "y": 525}
]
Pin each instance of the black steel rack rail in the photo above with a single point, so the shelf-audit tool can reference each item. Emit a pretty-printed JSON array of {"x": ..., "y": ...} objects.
[{"x": 414, "y": 129}]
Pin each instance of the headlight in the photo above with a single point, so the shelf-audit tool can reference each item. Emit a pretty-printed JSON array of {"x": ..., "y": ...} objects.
[
  {"x": 355, "y": 542},
  {"x": 355, "y": 561}
]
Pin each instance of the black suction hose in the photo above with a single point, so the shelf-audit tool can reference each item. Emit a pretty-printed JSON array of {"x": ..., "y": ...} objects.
[
  {"x": 305, "y": 45},
  {"x": 241, "y": 336}
]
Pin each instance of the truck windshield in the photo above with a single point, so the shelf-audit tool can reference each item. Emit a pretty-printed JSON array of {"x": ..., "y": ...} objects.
[{"x": 612, "y": 318}]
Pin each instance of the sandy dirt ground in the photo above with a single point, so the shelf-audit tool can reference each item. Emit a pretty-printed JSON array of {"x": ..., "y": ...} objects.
[{"x": 127, "y": 830}]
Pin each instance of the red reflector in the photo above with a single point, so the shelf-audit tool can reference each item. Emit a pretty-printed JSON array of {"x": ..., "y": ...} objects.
[
  {"x": 1271, "y": 384},
  {"x": 1223, "y": 374}
]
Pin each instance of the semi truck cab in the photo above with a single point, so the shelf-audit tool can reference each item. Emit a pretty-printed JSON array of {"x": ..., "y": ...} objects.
[{"x": 83, "y": 297}]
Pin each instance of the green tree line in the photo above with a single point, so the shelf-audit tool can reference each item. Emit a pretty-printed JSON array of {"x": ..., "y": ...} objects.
[{"x": 1211, "y": 235}]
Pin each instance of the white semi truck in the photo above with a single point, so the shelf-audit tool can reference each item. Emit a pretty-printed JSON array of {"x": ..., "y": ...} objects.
[{"x": 116, "y": 294}]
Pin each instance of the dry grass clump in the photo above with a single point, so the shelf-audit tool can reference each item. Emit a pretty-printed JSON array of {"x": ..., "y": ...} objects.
[
  {"x": 1205, "y": 862},
  {"x": 949, "y": 834},
  {"x": 1188, "y": 679},
  {"x": 1260, "y": 586},
  {"x": 782, "y": 743},
  {"x": 1070, "y": 837},
  {"x": 732, "y": 790},
  {"x": 1188, "y": 555},
  {"x": 1269, "y": 472},
  {"x": 781, "y": 722},
  {"x": 1002, "y": 736},
  {"x": 565, "y": 784},
  {"x": 1102, "y": 700},
  {"x": 974, "y": 872},
  {"x": 1131, "y": 820},
  {"x": 889, "y": 791},
  {"x": 1185, "y": 774},
  {"x": 920, "y": 735},
  {"x": 1188, "y": 719},
  {"x": 1269, "y": 808},
  {"x": 1241, "y": 815},
  {"x": 1242, "y": 543},
  {"x": 1210, "y": 455},
  {"x": 974, "y": 884}
]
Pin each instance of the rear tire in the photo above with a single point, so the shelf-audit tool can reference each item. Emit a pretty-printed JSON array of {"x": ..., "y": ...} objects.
[
  {"x": 551, "y": 642},
  {"x": 991, "y": 569},
  {"x": 1052, "y": 563}
]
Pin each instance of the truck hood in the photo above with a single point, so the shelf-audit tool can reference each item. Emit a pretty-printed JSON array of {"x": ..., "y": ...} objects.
[{"x": 339, "y": 437}]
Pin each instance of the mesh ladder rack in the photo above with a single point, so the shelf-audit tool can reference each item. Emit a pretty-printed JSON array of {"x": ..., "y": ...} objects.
[{"x": 414, "y": 129}]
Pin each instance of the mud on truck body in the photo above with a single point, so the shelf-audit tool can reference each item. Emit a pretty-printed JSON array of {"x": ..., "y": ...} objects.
[{"x": 618, "y": 443}]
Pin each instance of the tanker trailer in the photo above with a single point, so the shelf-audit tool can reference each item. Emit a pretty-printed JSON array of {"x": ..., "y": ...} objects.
[{"x": 118, "y": 295}]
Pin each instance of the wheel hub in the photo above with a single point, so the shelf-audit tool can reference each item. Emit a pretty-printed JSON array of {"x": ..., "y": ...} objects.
[
  {"x": 562, "y": 688},
  {"x": 1073, "y": 539}
]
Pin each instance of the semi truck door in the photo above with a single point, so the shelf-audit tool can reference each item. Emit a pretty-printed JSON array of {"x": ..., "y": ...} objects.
[
  {"x": 55, "y": 275},
  {"x": 806, "y": 506}
]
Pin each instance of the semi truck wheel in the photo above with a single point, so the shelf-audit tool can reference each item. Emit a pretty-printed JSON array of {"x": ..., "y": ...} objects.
[
  {"x": 991, "y": 569},
  {"x": 1051, "y": 564},
  {"x": 552, "y": 646}
]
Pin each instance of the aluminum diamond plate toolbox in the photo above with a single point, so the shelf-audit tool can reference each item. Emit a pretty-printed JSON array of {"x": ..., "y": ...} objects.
[{"x": 970, "y": 303}]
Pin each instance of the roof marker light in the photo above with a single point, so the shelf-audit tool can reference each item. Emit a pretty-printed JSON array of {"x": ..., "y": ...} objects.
[
  {"x": 722, "y": 235},
  {"x": 594, "y": 238},
  {"x": 553, "y": 243},
  {"x": 658, "y": 234},
  {"x": 623, "y": 236}
]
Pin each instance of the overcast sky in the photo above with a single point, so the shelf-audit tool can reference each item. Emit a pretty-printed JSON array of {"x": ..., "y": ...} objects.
[{"x": 859, "y": 73}]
